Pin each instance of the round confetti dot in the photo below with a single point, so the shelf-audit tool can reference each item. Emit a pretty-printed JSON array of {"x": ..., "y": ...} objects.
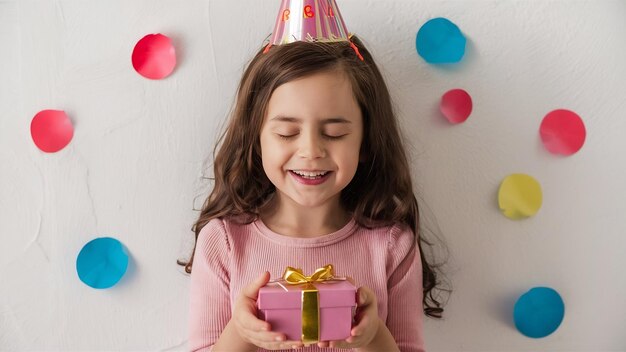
[
  {"x": 154, "y": 56},
  {"x": 562, "y": 132},
  {"x": 456, "y": 105},
  {"x": 519, "y": 196},
  {"x": 440, "y": 41},
  {"x": 538, "y": 312},
  {"x": 102, "y": 262},
  {"x": 51, "y": 130}
]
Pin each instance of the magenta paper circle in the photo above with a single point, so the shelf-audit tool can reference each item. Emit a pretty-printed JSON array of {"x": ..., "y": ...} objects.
[
  {"x": 562, "y": 132},
  {"x": 456, "y": 105},
  {"x": 154, "y": 56},
  {"x": 51, "y": 130}
]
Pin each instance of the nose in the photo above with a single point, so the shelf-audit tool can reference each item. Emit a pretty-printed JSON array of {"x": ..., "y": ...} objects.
[{"x": 311, "y": 146}]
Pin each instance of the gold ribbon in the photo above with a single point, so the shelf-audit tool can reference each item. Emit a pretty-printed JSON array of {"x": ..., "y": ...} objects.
[
  {"x": 310, "y": 298},
  {"x": 295, "y": 276}
]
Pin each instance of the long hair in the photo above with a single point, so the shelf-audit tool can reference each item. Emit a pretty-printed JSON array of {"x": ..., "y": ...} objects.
[{"x": 381, "y": 192}]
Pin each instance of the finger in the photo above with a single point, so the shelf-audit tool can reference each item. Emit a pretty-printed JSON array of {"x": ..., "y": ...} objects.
[
  {"x": 266, "y": 337},
  {"x": 361, "y": 296},
  {"x": 323, "y": 344},
  {"x": 354, "y": 340},
  {"x": 338, "y": 344},
  {"x": 252, "y": 290},
  {"x": 247, "y": 317},
  {"x": 282, "y": 345},
  {"x": 364, "y": 296},
  {"x": 248, "y": 321},
  {"x": 294, "y": 344},
  {"x": 278, "y": 345},
  {"x": 361, "y": 326}
]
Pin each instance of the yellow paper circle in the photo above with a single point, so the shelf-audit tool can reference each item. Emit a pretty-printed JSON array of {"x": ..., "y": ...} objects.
[{"x": 519, "y": 196}]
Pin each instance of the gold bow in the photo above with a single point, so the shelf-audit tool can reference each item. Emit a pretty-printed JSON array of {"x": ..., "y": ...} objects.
[{"x": 296, "y": 276}]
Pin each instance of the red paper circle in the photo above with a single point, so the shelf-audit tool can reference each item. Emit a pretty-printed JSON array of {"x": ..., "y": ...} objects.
[
  {"x": 154, "y": 56},
  {"x": 456, "y": 105},
  {"x": 51, "y": 130},
  {"x": 562, "y": 132}
]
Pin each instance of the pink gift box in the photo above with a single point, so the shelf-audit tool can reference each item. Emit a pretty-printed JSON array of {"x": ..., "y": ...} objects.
[{"x": 281, "y": 306}]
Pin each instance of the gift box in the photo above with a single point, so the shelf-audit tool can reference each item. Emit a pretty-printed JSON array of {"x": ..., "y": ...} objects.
[{"x": 312, "y": 308}]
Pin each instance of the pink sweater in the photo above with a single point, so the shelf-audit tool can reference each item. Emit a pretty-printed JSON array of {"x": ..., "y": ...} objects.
[{"x": 229, "y": 256}]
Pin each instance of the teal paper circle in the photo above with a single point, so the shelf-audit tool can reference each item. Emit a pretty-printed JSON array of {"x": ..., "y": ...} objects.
[
  {"x": 440, "y": 41},
  {"x": 539, "y": 312},
  {"x": 102, "y": 262}
]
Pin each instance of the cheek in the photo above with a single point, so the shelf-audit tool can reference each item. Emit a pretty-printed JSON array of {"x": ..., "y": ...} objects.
[
  {"x": 273, "y": 153},
  {"x": 348, "y": 159},
  {"x": 350, "y": 150},
  {"x": 266, "y": 145}
]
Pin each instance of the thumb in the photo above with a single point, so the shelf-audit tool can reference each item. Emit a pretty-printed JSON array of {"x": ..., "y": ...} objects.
[
  {"x": 252, "y": 290},
  {"x": 364, "y": 296}
]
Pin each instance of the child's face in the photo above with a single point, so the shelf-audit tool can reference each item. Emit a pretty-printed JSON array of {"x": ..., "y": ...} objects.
[{"x": 324, "y": 129}]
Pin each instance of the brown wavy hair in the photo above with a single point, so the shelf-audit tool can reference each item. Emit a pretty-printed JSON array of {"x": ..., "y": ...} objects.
[{"x": 381, "y": 192}]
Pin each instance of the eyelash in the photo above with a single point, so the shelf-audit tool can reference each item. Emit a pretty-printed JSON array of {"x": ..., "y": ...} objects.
[{"x": 325, "y": 136}]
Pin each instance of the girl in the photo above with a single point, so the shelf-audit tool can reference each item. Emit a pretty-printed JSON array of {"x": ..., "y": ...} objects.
[{"x": 311, "y": 170}]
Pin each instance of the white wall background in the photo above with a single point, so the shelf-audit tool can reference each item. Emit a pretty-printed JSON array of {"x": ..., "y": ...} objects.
[{"x": 133, "y": 169}]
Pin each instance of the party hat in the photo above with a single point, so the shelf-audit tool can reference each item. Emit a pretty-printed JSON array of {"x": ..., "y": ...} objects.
[{"x": 309, "y": 20}]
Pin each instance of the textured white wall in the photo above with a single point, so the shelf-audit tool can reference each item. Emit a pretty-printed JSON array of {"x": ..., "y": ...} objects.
[{"x": 133, "y": 169}]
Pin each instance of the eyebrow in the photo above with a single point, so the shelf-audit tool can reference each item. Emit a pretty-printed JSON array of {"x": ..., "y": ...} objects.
[{"x": 297, "y": 120}]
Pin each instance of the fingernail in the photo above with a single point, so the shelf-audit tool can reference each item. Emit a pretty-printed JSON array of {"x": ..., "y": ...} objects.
[{"x": 279, "y": 338}]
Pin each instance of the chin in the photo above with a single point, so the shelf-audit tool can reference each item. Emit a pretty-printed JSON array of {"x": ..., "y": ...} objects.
[
  {"x": 311, "y": 204},
  {"x": 315, "y": 202}
]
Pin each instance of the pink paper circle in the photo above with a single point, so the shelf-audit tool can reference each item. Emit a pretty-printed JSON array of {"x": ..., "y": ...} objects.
[
  {"x": 562, "y": 132},
  {"x": 154, "y": 56},
  {"x": 51, "y": 130},
  {"x": 456, "y": 105}
]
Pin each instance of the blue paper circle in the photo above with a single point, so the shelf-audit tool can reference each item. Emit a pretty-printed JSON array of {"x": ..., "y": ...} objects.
[
  {"x": 102, "y": 262},
  {"x": 538, "y": 312},
  {"x": 440, "y": 41}
]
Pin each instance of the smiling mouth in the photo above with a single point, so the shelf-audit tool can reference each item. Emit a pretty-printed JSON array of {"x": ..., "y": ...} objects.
[
  {"x": 311, "y": 179},
  {"x": 310, "y": 174}
]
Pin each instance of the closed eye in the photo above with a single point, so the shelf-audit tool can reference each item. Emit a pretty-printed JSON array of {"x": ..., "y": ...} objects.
[
  {"x": 333, "y": 137},
  {"x": 286, "y": 137},
  {"x": 282, "y": 136}
]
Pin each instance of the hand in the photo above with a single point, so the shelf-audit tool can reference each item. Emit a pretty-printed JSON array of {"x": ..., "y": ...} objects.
[
  {"x": 366, "y": 319},
  {"x": 253, "y": 330}
]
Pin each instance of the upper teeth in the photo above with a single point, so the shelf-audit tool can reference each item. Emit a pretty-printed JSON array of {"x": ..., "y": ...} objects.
[{"x": 310, "y": 174}]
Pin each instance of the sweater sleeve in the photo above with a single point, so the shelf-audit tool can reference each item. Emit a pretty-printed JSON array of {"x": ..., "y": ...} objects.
[
  {"x": 209, "y": 310},
  {"x": 405, "y": 292}
]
